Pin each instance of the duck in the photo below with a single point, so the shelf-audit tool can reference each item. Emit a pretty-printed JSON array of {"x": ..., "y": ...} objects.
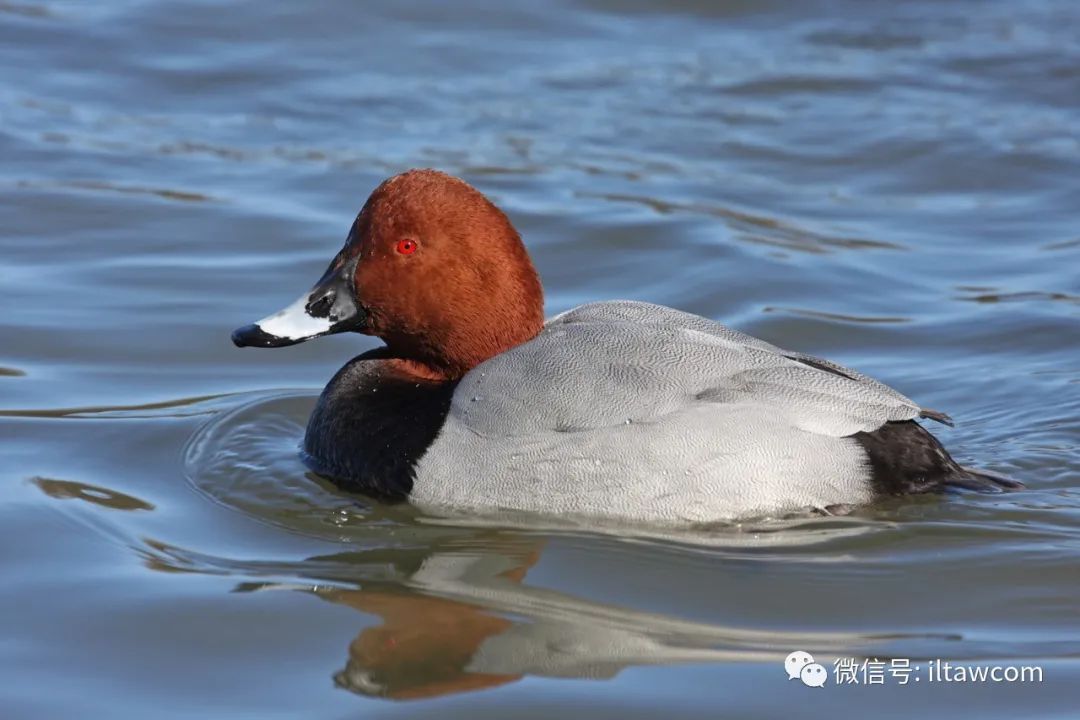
[{"x": 619, "y": 410}]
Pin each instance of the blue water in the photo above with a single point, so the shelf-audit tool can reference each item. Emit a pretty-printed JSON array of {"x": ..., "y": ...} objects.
[{"x": 892, "y": 186}]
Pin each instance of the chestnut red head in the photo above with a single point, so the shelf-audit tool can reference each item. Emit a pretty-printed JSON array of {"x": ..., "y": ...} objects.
[{"x": 433, "y": 268}]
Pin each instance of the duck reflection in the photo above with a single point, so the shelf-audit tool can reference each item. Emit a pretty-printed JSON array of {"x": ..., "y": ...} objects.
[
  {"x": 427, "y": 645},
  {"x": 458, "y": 618},
  {"x": 456, "y": 615},
  {"x": 94, "y": 494}
]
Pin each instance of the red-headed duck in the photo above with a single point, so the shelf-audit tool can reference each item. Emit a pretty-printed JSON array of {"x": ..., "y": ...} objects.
[{"x": 622, "y": 410}]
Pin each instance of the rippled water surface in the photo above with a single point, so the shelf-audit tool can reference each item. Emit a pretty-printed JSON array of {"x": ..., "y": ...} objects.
[{"x": 890, "y": 185}]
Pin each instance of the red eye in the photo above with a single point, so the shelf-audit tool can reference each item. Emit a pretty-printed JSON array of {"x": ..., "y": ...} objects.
[{"x": 406, "y": 247}]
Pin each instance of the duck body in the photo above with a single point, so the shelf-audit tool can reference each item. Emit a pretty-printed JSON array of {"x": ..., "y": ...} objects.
[
  {"x": 630, "y": 411},
  {"x": 621, "y": 410}
]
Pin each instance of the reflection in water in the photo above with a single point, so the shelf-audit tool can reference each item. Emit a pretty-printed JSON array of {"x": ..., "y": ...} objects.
[
  {"x": 429, "y": 644},
  {"x": 456, "y": 617},
  {"x": 69, "y": 489}
]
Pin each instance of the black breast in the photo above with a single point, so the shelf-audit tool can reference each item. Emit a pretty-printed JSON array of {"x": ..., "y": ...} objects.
[{"x": 371, "y": 426}]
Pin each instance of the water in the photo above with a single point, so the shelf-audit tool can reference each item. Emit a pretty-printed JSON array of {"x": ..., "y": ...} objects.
[{"x": 893, "y": 186}]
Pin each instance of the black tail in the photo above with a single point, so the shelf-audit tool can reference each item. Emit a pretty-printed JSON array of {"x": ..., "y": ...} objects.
[
  {"x": 906, "y": 459},
  {"x": 982, "y": 481}
]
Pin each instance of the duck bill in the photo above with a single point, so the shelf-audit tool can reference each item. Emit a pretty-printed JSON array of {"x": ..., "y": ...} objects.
[{"x": 326, "y": 309}]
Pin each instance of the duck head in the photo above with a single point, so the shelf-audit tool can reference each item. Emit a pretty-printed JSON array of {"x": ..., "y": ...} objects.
[{"x": 432, "y": 268}]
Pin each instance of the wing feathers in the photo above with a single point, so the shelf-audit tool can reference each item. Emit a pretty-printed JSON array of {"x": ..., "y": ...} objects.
[{"x": 608, "y": 364}]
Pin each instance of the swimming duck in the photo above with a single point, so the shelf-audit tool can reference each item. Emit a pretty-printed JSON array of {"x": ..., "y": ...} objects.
[{"x": 621, "y": 410}]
